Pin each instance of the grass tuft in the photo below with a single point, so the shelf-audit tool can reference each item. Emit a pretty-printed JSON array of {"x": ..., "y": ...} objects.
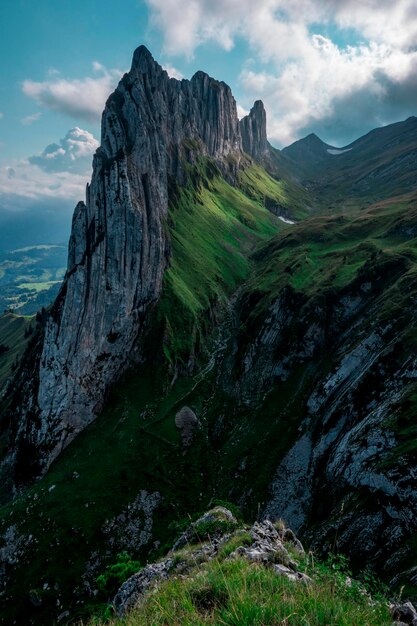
[{"x": 239, "y": 593}]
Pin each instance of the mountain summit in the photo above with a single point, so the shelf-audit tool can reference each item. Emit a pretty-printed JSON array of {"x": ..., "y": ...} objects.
[
  {"x": 253, "y": 128},
  {"x": 118, "y": 252}
]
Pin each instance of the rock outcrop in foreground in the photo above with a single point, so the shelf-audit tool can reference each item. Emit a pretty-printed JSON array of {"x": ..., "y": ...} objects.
[
  {"x": 218, "y": 537},
  {"x": 263, "y": 543},
  {"x": 118, "y": 248}
]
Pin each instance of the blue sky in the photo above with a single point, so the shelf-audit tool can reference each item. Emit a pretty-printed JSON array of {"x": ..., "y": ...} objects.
[
  {"x": 45, "y": 37},
  {"x": 335, "y": 67}
]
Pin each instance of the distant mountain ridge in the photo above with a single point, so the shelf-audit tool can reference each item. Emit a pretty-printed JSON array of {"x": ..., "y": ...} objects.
[
  {"x": 381, "y": 164},
  {"x": 308, "y": 149}
]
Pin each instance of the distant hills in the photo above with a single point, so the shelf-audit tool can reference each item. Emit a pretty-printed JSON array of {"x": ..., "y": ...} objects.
[
  {"x": 377, "y": 166},
  {"x": 36, "y": 223}
]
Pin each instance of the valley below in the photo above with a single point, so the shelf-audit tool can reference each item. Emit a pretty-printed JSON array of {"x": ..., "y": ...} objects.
[{"x": 30, "y": 277}]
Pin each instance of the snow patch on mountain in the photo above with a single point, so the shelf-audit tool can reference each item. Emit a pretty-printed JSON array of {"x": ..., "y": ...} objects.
[{"x": 337, "y": 151}]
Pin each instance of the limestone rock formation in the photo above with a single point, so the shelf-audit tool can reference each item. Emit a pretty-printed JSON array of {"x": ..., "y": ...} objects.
[
  {"x": 253, "y": 129},
  {"x": 118, "y": 249},
  {"x": 186, "y": 421}
]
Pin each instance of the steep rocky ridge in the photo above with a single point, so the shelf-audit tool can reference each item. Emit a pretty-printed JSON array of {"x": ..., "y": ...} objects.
[
  {"x": 152, "y": 125},
  {"x": 253, "y": 129}
]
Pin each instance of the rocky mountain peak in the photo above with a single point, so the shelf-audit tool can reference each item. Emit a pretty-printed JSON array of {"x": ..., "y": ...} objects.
[
  {"x": 142, "y": 59},
  {"x": 118, "y": 246},
  {"x": 253, "y": 130},
  {"x": 310, "y": 147}
]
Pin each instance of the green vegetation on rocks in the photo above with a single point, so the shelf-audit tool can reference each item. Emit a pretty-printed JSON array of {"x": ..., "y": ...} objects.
[
  {"x": 244, "y": 579},
  {"x": 213, "y": 229},
  {"x": 237, "y": 593}
]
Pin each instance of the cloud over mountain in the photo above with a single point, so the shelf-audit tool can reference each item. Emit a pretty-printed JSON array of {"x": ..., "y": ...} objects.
[
  {"x": 73, "y": 153},
  {"x": 60, "y": 172},
  {"x": 82, "y": 99},
  {"x": 308, "y": 57}
]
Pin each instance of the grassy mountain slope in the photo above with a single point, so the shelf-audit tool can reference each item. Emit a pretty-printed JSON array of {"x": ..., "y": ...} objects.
[
  {"x": 135, "y": 445},
  {"x": 213, "y": 229},
  {"x": 380, "y": 165},
  {"x": 210, "y": 337},
  {"x": 351, "y": 279}
]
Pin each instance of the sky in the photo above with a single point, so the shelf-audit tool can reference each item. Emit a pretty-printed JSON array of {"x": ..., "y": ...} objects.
[{"x": 334, "y": 67}]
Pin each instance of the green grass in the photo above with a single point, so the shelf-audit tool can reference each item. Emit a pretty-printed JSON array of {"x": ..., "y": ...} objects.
[
  {"x": 260, "y": 186},
  {"x": 237, "y": 593},
  {"x": 213, "y": 229},
  {"x": 38, "y": 286},
  {"x": 327, "y": 252}
]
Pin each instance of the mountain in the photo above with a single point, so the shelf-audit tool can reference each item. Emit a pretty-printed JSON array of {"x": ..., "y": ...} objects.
[
  {"x": 309, "y": 151},
  {"x": 220, "y": 335},
  {"x": 155, "y": 131},
  {"x": 379, "y": 165}
]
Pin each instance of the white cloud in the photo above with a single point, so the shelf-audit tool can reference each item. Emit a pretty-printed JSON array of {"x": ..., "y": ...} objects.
[
  {"x": 299, "y": 71},
  {"x": 22, "y": 179},
  {"x": 307, "y": 90},
  {"x": 383, "y": 21},
  {"x": 241, "y": 111},
  {"x": 61, "y": 171},
  {"x": 78, "y": 98},
  {"x": 188, "y": 23},
  {"x": 29, "y": 119},
  {"x": 73, "y": 153},
  {"x": 173, "y": 72}
]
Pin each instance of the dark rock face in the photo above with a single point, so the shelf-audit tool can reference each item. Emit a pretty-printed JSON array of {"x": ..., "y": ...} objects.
[
  {"x": 253, "y": 129},
  {"x": 343, "y": 475},
  {"x": 118, "y": 249}
]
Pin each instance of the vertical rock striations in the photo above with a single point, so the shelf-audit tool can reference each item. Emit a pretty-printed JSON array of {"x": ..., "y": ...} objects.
[
  {"x": 253, "y": 130},
  {"x": 118, "y": 248}
]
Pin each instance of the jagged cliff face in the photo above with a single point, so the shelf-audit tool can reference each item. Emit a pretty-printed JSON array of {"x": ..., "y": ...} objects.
[
  {"x": 332, "y": 366},
  {"x": 253, "y": 128},
  {"x": 118, "y": 248}
]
